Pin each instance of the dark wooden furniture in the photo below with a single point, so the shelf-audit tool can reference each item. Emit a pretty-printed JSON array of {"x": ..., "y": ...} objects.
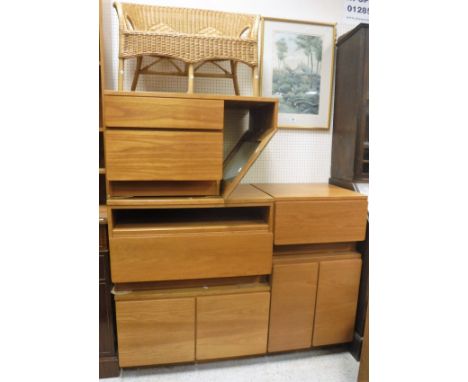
[
  {"x": 108, "y": 361},
  {"x": 350, "y": 147}
]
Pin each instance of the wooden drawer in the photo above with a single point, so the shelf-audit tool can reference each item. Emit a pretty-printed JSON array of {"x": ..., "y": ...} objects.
[
  {"x": 232, "y": 325},
  {"x": 330, "y": 221},
  {"x": 149, "y": 257},
  {"x": 156, "y": 112},
  {"x": 156, "y": 331},
  {"x": 337, "y": 297},
  {"x": 139, "y": 155},
  {"x": 293, "y": 293}
]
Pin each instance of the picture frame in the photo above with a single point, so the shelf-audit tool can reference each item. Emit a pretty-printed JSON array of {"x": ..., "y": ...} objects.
[{"x": 297, "y": 65}]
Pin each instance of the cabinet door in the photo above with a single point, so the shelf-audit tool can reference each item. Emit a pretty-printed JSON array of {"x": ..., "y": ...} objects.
[
  {"x": 155, "y": 331},
  {"x": 232, "y": 325},
  {"x": 293, "y": 295},
  {"x": 337, "y": 296}
]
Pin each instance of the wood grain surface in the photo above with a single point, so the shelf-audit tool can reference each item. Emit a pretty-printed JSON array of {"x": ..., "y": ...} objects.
[
  {"x": 232, "y": 325},
  {"x": 301, "y": 222},
  {"x": 155, "y": 332},
  {"x": 337, "y": 294},
  {"x": 158, "y": 112},
  {"x": 293, "y": 293},
  {"x": 190, "y": 256},
  {"x": 163, "y": 155}
]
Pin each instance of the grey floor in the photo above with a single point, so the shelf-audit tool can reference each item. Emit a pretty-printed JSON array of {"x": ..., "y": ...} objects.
[{"x": 323, "y": 365}]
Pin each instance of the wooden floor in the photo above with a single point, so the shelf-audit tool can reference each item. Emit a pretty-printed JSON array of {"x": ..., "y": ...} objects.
[{"x": 325, "y": 365}]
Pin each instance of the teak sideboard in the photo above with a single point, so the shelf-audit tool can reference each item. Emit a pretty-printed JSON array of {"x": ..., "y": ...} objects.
[
  {"x": 203, "y": 267},
  {"x": 271, "y": 268}
]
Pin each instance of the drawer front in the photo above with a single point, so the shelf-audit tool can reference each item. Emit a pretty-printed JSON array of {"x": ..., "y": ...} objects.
[
  {"x": 155, "y": 112},
  {"x": 293, "y": 293},
  {"x": 163, "y": 155},
  {"x": 232, "y": 326},
  {"x": 190, "y": 256},
  {"x": 155, "y": 331},
  {"x": 337, "y": 296},
  {"x": 303, "y": 222}
]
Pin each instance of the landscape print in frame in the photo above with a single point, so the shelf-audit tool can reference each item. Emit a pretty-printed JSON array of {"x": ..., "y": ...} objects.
[{"x": 297, "y": 67}]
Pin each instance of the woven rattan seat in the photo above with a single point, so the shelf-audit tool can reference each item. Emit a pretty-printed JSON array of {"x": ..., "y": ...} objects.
[{"x": 193, "y": 36}]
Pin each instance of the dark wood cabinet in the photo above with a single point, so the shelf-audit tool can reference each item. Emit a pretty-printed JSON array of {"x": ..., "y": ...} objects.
[
  {"x": 108, "y": 361},
  {"x": 350, "y": 147}
]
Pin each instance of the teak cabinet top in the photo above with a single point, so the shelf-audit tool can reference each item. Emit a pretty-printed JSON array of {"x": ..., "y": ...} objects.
[
  {"x": 222, "y": 97},
  {"x": 242, "y": 194},
  {"x": 308, "y": 191}
]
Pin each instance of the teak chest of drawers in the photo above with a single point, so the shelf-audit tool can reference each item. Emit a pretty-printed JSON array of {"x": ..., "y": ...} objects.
[
  {"x": 172, "y": 144},
  {"x": 208, "y": 278}
]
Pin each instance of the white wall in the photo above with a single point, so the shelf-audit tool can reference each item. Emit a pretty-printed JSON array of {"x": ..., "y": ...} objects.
[{"x": 292, "y": 155}]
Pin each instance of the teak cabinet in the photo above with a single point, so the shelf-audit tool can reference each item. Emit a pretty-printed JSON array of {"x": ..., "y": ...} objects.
[
  {"x": 166, "y": 241},
  {"x": 316, "y": 268},
  {"x": 208, "y": 278},
  {"x": 314, "y": 300},
  {"x": 197, "y": 323},
  {"x": 172, "y": 144}
]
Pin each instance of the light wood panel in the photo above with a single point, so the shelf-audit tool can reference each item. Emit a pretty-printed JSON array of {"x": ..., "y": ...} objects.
[
  {"x": 300, "y": 222},
  {"x": 157, "y": 112},
  {"x": 164, "y": 188},
  {"x": 232, "y": 325},
  {"x": 293, "y": 294},
  {"x": 243, "y": 194},
  {"x": 311, "y": 191},
  {"x": 231, "y": 99},
  {"x": 190, "y": 288},
  {"x": 163, "y": 155},
  {"x": 155, "y": 332},
  {"x": 337, "y": 295},
  {"x": 190, "y": 256}
]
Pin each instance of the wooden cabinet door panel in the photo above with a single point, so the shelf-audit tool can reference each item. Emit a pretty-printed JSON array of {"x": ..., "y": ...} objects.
[
  {"x": 153, "y": 332},
  {"x": 337, "y": 296},
  {"x": 232, "y": 325},
  {"x": 293, "y": 293}
]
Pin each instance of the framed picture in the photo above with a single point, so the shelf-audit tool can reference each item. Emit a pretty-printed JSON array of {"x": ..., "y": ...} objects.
[{"x": 297, "y": 59}]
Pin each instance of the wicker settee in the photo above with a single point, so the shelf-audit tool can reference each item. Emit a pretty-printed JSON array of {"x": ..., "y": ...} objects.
[{"x": 193, "y": 36}]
